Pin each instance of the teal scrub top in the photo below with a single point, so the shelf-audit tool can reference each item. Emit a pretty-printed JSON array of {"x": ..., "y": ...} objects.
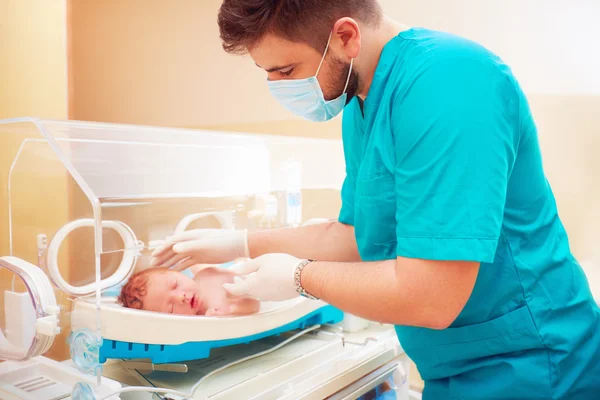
[{"x": 443, "y": 163}]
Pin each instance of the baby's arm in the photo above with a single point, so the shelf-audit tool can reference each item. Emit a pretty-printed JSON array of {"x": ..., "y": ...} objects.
[{"x": 236, "y": 307}]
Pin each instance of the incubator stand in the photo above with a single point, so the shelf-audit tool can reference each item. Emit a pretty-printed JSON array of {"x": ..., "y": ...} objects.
[{"x": 82, "y": 205}]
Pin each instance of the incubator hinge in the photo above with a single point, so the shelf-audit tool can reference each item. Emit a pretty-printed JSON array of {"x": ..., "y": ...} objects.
[{"x": 47, "y": 326}]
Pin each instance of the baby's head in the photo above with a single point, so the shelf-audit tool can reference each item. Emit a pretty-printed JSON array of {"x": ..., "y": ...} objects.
[{"x": 162, "y": 290}]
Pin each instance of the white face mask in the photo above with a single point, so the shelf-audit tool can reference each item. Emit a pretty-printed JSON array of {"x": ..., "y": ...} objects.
[{"x": 305, "y": 98}]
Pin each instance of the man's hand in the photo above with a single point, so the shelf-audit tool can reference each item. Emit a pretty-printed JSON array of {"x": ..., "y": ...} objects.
[
  {"x": 267, "y": 278},
  {"x": 331, "y": 241},
  {"x": 201, "y": 246}
]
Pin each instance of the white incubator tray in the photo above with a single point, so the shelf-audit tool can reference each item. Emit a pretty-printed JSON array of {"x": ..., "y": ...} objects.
[{"x": 166, "y": 338}]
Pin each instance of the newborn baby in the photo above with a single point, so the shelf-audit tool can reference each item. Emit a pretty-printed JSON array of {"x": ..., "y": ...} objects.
[{"x": 167, "y": 291}]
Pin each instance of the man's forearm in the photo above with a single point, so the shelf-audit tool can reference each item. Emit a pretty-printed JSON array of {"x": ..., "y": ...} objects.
[
  {"x": 408, "y": 292},
  {"x": 369, "y": 290},
  {"x": 331, "y": 241}
]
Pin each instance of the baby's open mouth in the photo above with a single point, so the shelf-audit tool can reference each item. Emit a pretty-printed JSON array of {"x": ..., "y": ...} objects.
[{"x": 194, "y": 301}]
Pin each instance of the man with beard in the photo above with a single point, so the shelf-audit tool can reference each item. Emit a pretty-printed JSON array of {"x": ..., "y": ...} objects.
[{"x": 448, "y": 229}]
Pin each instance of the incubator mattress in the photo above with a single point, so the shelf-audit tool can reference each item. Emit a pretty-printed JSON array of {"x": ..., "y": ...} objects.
[{"x": 162, "y": 338}]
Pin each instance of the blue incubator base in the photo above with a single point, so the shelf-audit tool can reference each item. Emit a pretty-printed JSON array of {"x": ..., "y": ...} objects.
[{"x": 160, "y": 354}]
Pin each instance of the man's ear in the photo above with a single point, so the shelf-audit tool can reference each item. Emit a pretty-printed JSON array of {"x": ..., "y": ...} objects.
[{"x": 347, "y": 33}]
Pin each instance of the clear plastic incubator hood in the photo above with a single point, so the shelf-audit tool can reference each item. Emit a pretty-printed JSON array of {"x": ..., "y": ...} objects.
[{"x": 83, "y": 204}]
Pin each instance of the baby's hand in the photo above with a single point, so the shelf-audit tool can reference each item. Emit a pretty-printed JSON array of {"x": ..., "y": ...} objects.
[
  {"x": 238, "y": 307},
  {"x": 217, "y": 312}
]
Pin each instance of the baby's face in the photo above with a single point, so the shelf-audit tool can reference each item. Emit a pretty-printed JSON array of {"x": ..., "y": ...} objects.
[{"x": 173, "y": 293}]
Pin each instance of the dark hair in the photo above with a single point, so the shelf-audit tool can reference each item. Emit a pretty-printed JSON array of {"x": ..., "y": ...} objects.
[{"x": 244, "y": 23}]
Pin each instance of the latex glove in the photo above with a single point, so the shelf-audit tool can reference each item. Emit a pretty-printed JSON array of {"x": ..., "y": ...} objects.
[
  {"x": 201, "y": 246},
  {"x": 267, "y": 278}
]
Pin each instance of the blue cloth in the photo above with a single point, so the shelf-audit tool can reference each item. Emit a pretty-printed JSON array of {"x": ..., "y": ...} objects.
[
  {"x": 443, "y": 163},
  {"x": 114, "y": 291},
  {"x": 188, "y": 272}
]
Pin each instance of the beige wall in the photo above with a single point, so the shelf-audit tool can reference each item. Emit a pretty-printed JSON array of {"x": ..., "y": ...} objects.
[
  {"x": 161, "y": 63},
  {"x": 570, "y": 137},
  {"x": 33, "y": 82},
  {"x": 293, "y": 127},
  {"x": 33, "y": 58}
]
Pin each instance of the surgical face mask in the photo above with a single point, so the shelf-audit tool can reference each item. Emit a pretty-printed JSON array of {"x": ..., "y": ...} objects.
[{"x": 304, "y": 97}]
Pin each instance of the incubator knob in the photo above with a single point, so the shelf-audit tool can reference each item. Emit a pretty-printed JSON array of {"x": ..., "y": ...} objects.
[
  {"x": 82, "y": 391},
  {"x": 85, "y": 350}
]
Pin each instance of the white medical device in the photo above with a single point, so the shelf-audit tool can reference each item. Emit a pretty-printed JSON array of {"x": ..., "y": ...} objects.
[{"x": 82, "y": 205}]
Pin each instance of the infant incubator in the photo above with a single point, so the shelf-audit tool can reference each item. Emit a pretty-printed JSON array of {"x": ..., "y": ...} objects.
[{"x": 82, "y": 207}]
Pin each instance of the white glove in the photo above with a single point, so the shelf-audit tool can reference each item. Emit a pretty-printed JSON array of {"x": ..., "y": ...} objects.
[
  {"x": 201, "y": 246},
  {"x": 267, "y": 278}
]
